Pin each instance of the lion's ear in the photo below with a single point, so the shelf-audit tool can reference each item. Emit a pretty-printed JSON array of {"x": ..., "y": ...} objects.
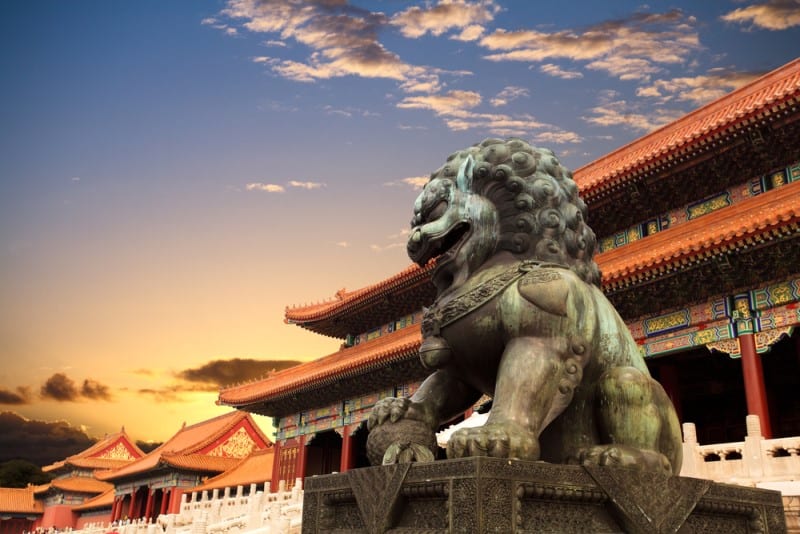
[{"x": 545, "y": 289}]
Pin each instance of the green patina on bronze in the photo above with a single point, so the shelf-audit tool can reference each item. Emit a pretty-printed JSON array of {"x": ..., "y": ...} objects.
[{"x": 519, "y": 316}]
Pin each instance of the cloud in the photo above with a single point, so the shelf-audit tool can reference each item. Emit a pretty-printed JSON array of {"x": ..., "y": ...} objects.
[
  {"x": 21, "y": 396},
  {"x": 267, "y": 188},
  {"x": 470, "y": 33},
  {"x": 646, "y": 39},
  {"x": 91, "y": 389},
  {"x": 343, "y": 39},
  {"x": 342, "y": 244},
  {"x": 272, "y": 42},
  {"x": 508, "y": 94},
  {"x": 415, "y": 21},
  {"x": 772, "y": 15},
  {"x": 306, "y": 185},
  {"x": 61, "y": 388},
  {"x": 39, "y": 442},
  {"x": 630, "y": 116},
  {"x": 698, "y": 89},
  {"x": 224, "y": 372},
  {"x": 416, "y": 182},
  {"x": 554, "y": 70},
  {"x": 444, "y": 103}
]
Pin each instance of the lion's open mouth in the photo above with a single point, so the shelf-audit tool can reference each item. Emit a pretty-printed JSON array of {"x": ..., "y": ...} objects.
[{"x": 443, "y": 247}]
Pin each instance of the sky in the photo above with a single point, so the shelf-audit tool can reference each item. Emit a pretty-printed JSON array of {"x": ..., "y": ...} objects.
[{"x": 174, "y": 174}]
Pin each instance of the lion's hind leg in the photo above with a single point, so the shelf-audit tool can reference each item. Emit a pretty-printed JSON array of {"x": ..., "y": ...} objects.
[{"x": 632, "y": 416}]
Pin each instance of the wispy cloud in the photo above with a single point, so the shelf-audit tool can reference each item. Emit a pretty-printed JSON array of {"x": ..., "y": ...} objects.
[
  {"x": 306, "y": 185},
  {"x": 772, "y": 15},
  {"x": 508, "y": 94},
  {"x": 342, "y": 244},
  {"x": 343, "y": 39},
  {"x": 446, "y": 15},
  {"x": 273, "y": 42},
  {"x": 214, "y": 23},
  {"x": 698, "y": 89},
  {"x": 442, "y": 104},
  {"x": 267, "y": 188},
  {"x": 649, "y": 40},
  {"x": 615, "y": 111},
  {"x": 551, "y": 69}
]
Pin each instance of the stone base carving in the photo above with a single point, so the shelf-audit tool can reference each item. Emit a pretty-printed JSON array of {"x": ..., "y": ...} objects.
[{"x": 493, "y": 495}]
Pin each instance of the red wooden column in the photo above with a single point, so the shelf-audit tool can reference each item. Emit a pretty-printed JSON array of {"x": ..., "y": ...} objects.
[
  {"x": 276, "y": 467},
  {"x": 131, "y": 508},
  {"x": 302, "y": 457},
  {"x": 754, "y": 388},
  {"x": 348, "y": 460},
  {"x": 115, "y": 508},
  {"x": 175, "y": 501},
  {"x": 148, "y": 508},
  {"x": 164, "y": 500}
]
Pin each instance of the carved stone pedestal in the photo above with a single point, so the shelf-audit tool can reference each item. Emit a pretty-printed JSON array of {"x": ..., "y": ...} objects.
[{"x": 475, "y": 495}]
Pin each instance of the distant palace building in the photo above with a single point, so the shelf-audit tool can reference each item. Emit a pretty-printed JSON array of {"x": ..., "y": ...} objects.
[
  {"x": 114, "y": 480},
  {"x": 698, "y": 224}
]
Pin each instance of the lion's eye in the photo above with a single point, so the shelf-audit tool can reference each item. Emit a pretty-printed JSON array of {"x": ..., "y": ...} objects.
[{"x": 437, "y": 211}]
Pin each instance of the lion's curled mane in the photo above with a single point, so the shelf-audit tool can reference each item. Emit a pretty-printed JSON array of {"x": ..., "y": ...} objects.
[{"x": 540, "y": 213}]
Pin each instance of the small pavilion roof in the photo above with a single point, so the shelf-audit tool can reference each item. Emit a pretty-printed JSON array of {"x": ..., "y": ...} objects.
[
  {"x": 254, "y": 469},
  {"x": 764, "y": 96},
  {"x": 113, "y": 451},
  {"x": 19, "y": 501},
  {"x": 104, "y": 500},
  {"x": 188, "y": 448},
  {"x": 75, "y": 485},
  {"x": 371, "y": 354}
]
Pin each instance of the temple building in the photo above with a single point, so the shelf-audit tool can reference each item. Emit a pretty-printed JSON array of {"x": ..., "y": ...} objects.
[
  {"x": 57, "y": 503},
  {"x": 698, "y": 225},
  {"x": 19, "y": 510},
  {"x": 114, "y": 480},
  {"x": 153, "y": 484}
]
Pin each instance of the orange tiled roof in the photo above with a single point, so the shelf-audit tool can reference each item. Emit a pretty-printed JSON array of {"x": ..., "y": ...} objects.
[
  {"x": 19, "y": 501},
  {"x": 345, "y": 300},
  {"x": 114, "y": 450},
  {"x": 377, "y": 352},
  {"x": 199, "y": 462},
  {"x": 187, "y": 441},
  {"x": 79, "y": 485},
  {"x": 104, "y": 500},
  {"x": 764, "y": 96},
  {"x": 718, "y": 231},
  {"x": 254, "y": 469}
]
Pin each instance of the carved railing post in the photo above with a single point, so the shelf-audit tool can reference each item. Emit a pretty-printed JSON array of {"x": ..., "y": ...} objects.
[{"x": 753, "y": 454}]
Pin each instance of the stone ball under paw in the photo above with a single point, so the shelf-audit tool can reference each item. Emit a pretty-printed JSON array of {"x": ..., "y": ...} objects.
[{"x": 404, "y": 431}]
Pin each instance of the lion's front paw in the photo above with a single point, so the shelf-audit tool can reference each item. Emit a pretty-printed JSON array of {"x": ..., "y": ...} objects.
[
  {"x": 390, "y": 408},
  {"x": 624, "y": 456},
  {"x": 499, "y": 440}
]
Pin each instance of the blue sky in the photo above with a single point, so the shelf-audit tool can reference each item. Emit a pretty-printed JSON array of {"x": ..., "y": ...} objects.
[{"x": 173, "y": 174}]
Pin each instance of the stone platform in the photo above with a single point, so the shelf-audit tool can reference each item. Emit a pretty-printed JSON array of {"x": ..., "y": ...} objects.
[{"x": 476, "y": 495}]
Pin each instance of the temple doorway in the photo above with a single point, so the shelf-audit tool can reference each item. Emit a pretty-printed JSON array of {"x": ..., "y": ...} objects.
[
  {"x": 324, "y": 454},
  {"x": 781, "y": 366},
  {"x": 708, "y": 390}
]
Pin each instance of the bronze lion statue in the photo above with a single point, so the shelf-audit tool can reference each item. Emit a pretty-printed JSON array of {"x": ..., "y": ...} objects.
[{"x": 519, "y": 316}]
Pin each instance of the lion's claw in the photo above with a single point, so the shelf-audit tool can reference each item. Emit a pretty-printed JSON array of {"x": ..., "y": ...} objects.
[
  {"x": 499, "y": 440},
  {"x": 623, "y": 456},
  {"x": 390, "y": 408}
]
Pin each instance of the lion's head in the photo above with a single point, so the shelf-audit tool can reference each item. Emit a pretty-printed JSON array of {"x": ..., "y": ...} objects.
[{"x": 501, "y": 196}]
